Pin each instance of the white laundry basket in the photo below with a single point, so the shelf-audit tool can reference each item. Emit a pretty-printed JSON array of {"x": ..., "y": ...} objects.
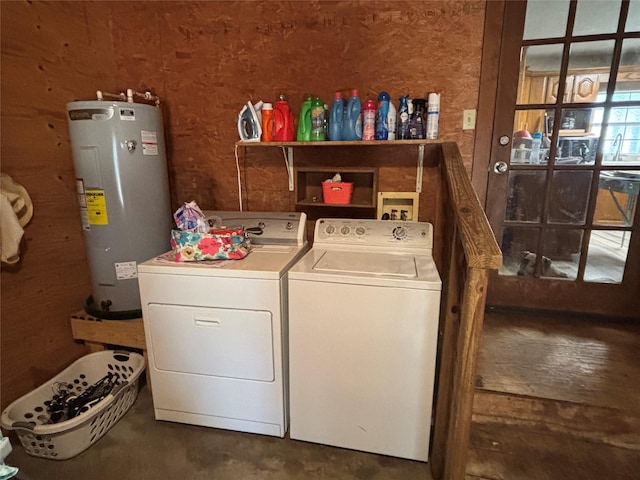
[{"x": 59, "y": 441}]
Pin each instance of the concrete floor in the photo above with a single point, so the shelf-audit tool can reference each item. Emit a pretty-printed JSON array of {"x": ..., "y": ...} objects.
[{"x": 139, "y": 447}]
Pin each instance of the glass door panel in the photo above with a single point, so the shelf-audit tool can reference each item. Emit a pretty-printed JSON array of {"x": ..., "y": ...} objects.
[
  {"x": 539, "y": 69},
  {"x": 530, "y": 142},
  {"x": 569, "y": 197},
  {"x": 526, "y": 196},
  {"x": 518, "y": 245},
  {"x": 633, "y": 17},
  {"x": 561, "y": 253},
  {"x": 617, "y": 198},
  {"x": 607, "y": 256},
  {"x": 546, "y": 19},
  {"x": 606, "y": 11},
  {"x": 562, "y": 195},
  {"x": 579, "y": 135}
]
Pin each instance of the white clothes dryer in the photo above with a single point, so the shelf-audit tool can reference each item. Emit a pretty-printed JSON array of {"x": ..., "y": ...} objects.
[
  {"x": 363, "y": 324},
  {"x": 216, "y": 332}
]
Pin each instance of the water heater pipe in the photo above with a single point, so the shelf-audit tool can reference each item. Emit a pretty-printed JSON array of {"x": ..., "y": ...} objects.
[{"x": 129, "y": 97}]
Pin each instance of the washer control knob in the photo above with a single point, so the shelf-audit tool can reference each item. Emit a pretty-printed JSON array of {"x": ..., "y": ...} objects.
[
  {"x": 360, "y": 231},
  {"x": 345, "y": 230},
  {"x": 330, "y": 230},
  {"x": 399, "y": 233}
]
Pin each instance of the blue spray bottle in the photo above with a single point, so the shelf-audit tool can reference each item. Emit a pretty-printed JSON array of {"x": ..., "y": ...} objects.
[{"x": 382, "y": 130}]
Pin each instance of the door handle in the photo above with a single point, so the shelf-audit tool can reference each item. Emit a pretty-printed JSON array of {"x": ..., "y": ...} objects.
[{"x": 500, "y": 167}]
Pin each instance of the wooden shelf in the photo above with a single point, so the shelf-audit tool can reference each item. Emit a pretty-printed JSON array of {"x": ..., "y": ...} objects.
[
  {"x": 98, "y": 334},
  {"x": 309, "y": 186},
  {"x": 290, "y": 146},
  {"x": 328, "y": 143}
]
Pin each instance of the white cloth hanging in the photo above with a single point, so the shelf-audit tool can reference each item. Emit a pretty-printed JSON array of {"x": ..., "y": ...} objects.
[{"x": 16, "y": 210}]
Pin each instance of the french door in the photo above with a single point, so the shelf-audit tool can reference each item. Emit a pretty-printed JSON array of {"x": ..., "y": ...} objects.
[{"x": 564, "y": 174}]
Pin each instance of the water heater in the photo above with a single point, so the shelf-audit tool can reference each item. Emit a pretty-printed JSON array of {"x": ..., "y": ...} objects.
[{"x": 123, "y": 191}]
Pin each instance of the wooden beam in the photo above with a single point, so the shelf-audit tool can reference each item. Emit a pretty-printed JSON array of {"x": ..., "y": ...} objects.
[{"x": 126, "y": 333}]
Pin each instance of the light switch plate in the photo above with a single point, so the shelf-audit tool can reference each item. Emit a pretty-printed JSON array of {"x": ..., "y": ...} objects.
[{"x": 469, "y": 119}]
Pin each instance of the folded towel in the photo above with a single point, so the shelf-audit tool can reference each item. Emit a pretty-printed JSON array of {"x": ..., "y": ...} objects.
[{"x": 16, "y": 210}]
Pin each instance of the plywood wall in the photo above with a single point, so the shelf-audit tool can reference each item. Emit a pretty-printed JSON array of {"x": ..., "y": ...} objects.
[
  {"x": 205, "y": 60},
  {"x": 51, "y": 54}
]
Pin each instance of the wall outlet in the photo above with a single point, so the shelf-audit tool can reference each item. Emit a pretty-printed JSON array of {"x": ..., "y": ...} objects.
[{"x": 469, "y": 119}]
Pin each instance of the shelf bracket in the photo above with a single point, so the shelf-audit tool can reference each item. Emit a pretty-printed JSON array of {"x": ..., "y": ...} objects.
[
  {"x": 420, "y": 168},
  {"x": 289, "y": 159}
]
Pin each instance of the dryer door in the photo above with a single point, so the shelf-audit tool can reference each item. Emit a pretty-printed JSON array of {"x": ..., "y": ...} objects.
[{"x": 212, "y": 341}]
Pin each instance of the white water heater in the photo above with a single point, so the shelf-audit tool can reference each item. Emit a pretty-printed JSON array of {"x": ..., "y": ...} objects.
[{"x": 123, "y": 191}]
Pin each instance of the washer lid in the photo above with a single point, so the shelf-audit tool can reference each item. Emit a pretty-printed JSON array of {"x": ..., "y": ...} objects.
[
  {"x": 387, "y": 265},
  {"x": 375, "y": 268}
]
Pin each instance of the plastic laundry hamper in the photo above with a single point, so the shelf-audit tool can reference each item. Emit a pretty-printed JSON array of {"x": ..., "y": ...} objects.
[{"x": 59, "y": 441}]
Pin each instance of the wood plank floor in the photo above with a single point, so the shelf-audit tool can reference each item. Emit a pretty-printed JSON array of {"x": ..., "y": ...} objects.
[{"x": 557, "y": 398}]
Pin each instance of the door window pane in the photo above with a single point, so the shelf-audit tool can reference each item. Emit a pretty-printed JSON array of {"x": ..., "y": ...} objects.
[
  {"x": 569, "y": 197},
  {"x": 633, "y": 17},
  {"x": 607, "y": 256},
  {"x": 517, "y": 243},
  {"x": 577, "y": 138},
  {"x": 596, "y": 16},
  {"x": 560, "y": 253},
  {"x": 629, "y": 70},
  {"x": 539, "y": 65},
  {"x": 562, "y": 244},
  {"x": 617, "y": 198},
  {"x": 546, "y": 19},
  {"x": 525, "y": 196},
  {"x": 530, "y": 143},
  {"x": 621, "y": 141},
  {"x": 583, "y": 86}
]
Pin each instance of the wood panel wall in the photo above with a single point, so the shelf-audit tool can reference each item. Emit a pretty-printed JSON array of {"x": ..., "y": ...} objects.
[
  {"x": 52, "y": 53},
  {"x": 205, "y": 60}
]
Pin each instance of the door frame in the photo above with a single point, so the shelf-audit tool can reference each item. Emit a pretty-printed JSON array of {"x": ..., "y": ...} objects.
[{"x": 601, "y": 299}]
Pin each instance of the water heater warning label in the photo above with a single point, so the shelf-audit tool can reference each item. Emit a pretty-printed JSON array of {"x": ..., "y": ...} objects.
[
  {"x": 149, "y": 142},
  {"x": 96, "y": 207},
  {"x": 126, "y": 270}
]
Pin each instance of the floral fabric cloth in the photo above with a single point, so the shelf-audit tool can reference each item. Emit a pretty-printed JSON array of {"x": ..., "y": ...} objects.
[{"x": 225, "y": 244}]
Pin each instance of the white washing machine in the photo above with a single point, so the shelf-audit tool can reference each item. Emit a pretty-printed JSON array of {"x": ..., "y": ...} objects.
[
  {"x": 363, "y": 323},
  {"x": 216, "y": 332}
]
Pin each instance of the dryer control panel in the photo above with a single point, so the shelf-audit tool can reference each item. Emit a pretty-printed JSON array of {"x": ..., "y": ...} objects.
[{"x": 381, "y": 233}]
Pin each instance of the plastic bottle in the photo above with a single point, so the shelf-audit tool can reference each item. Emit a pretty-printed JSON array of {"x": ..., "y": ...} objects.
[
  {"x": 369, "y": 120},
  {"x": 433, "y": 115},
  {"x": 267, "y": 122},
  {"x": 382, "y": 125},
  {"x": 317, "y": 120},
  {"x": 336, "y": 117},
  {"x": 304, "y": 121},
  {"x": 352, "y": 123},
  {"x": 391, "y": 121},
  {"x": 403, "y": 119},
  {"x": 536, "y": 140},
  {"x": 283, "y": 129},
  {"x": 417, "y": 120}
]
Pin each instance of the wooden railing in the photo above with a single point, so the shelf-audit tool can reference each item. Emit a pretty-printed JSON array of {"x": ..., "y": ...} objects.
[{"x": 470, "y": 252}]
